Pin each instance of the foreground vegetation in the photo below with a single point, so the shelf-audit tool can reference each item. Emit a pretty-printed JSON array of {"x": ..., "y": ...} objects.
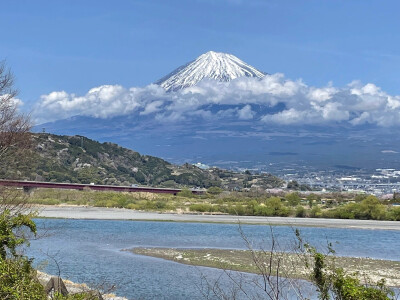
[
  {"x": 18, "y": 279},
  {"x": 215, "y": 201}
]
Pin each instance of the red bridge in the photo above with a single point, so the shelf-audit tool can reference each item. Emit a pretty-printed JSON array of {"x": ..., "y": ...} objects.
[{"x": 27, "y": 185}]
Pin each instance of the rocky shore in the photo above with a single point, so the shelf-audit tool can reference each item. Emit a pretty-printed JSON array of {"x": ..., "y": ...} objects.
[{"x": 74, "y": 288}]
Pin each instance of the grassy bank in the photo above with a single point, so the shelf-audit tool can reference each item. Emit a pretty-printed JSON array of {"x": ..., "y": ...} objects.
[
  {"x": 291, "y": 265},
  {"x": 338, "y": 206}
]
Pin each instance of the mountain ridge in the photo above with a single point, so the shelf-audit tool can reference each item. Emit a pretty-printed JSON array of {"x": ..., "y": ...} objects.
[{"x": 78, "y": 159}]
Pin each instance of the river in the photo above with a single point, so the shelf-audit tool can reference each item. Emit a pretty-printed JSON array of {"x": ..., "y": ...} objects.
[{"x": 90, "y": 251}]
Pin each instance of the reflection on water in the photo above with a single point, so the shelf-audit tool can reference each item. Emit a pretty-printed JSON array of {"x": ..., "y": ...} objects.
[{"x": 90, "y": 251}]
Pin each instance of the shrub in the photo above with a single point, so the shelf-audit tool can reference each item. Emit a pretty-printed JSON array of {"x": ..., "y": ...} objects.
[
  {"x": 293, "y": 199},
  {"x": 311, "y": 198},
  {"x": 160, "y": 204},
  {"x": 18, "y": 280},
  {"x": 276, "y": 207},
  {"x": 316, "y": 212},
  {"x": 394, "y": 214},
  {"x": 186, "y": 193},
  {"x": 214, "y": 190},
  {"x": 237, "y": 209},
  {"x": 201, "y": 207},
  {"x": 252, "y": 207},
  {"x": 371, "y": 208},
  {"x": 300, "y": 212}
]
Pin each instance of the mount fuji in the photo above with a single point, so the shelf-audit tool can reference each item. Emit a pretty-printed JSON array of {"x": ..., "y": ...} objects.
[
  {"x": 211, "y": 65},
  {"x": 176, "y": 120}
]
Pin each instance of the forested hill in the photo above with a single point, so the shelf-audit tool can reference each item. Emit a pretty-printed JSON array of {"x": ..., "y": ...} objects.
[{"x": 81, "y": 160}]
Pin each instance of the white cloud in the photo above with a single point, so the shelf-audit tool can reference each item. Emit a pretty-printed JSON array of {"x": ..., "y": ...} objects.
[
  {"x": 246, "y": 113},
  {"x": 152, "y": 107},
  {"x": 321, "y": 94},
  {"x": 334, "y": 112},
  {"x": 291, "y": 116},
  {"x": 389, "y": 151},
  {"x": 355, "y": 103}
]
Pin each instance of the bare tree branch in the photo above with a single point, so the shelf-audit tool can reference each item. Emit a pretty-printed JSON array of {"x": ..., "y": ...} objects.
[{"x": 15, "y": 143}]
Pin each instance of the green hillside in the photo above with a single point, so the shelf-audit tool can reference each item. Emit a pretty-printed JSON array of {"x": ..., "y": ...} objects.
[{"x": 81, "y": 160}]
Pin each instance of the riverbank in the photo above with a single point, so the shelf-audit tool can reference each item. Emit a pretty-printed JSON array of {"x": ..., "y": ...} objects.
[
  {"x": 291, "y": 204},
  {"x": 290, "y": 265},
  {"x": 101, "y": 213}
]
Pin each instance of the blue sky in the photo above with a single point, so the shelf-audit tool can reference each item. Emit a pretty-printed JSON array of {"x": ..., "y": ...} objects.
[{"x": 77, "y": 45}]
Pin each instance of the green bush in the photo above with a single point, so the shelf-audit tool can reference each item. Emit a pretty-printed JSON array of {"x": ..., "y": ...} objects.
[
  {"x": 300, "y": 212},
  {"x": 237, "y": 209},
  {"x": 293, "y": 199},
  {"x": 333, "y": 283},
  {"x": 160, "y": 204},
  {"x": 316, "y": 212},
  {"x": 186, "y": 193},
  {"x": 394, "y": 213},
  {"x": 265, "y": 211},
  {"x": 214, "y": 190},
  {"x": 201, "y": 207},
  {"x": 275, "y": 207},
  {"x": 368, "y": 209},
  {"x": 18, "y": 280},
  {"x": 343, "y": 212},
  {"x": 252, "y": 207},
  {"x": 132, "y": 206},
  {"x": 371, "y": 208}
]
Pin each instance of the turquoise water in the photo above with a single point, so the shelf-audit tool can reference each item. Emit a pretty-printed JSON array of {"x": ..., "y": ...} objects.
[{"x": 90, "y": 251}]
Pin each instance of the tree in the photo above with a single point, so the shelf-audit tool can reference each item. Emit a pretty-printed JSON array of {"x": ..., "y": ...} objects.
[
  {"x": 311, "y": 198},
  {"x": 18, "y": 279},
  {"x": 9, "y": 241},
  {"x": 14, "y": 126},
  {"x": 371, "y": 208},
  {"x": 293, "y": 185},
  {"x": 14, "y": 143},
  {"x": 293, "y": 199}
]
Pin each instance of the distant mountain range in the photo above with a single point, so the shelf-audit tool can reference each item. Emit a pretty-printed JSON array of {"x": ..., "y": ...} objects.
[{"x": 232, "y": 135}]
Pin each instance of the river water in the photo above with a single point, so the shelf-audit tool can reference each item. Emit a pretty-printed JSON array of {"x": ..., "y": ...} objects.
[{"x": 90, "y": 251}]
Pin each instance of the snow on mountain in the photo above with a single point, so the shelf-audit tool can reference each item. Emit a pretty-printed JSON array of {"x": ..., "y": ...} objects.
[{"x": 212, "y": 65}]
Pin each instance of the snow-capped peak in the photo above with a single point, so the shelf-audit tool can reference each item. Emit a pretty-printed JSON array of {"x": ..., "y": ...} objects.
[{"x": 212, "y": 65}]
